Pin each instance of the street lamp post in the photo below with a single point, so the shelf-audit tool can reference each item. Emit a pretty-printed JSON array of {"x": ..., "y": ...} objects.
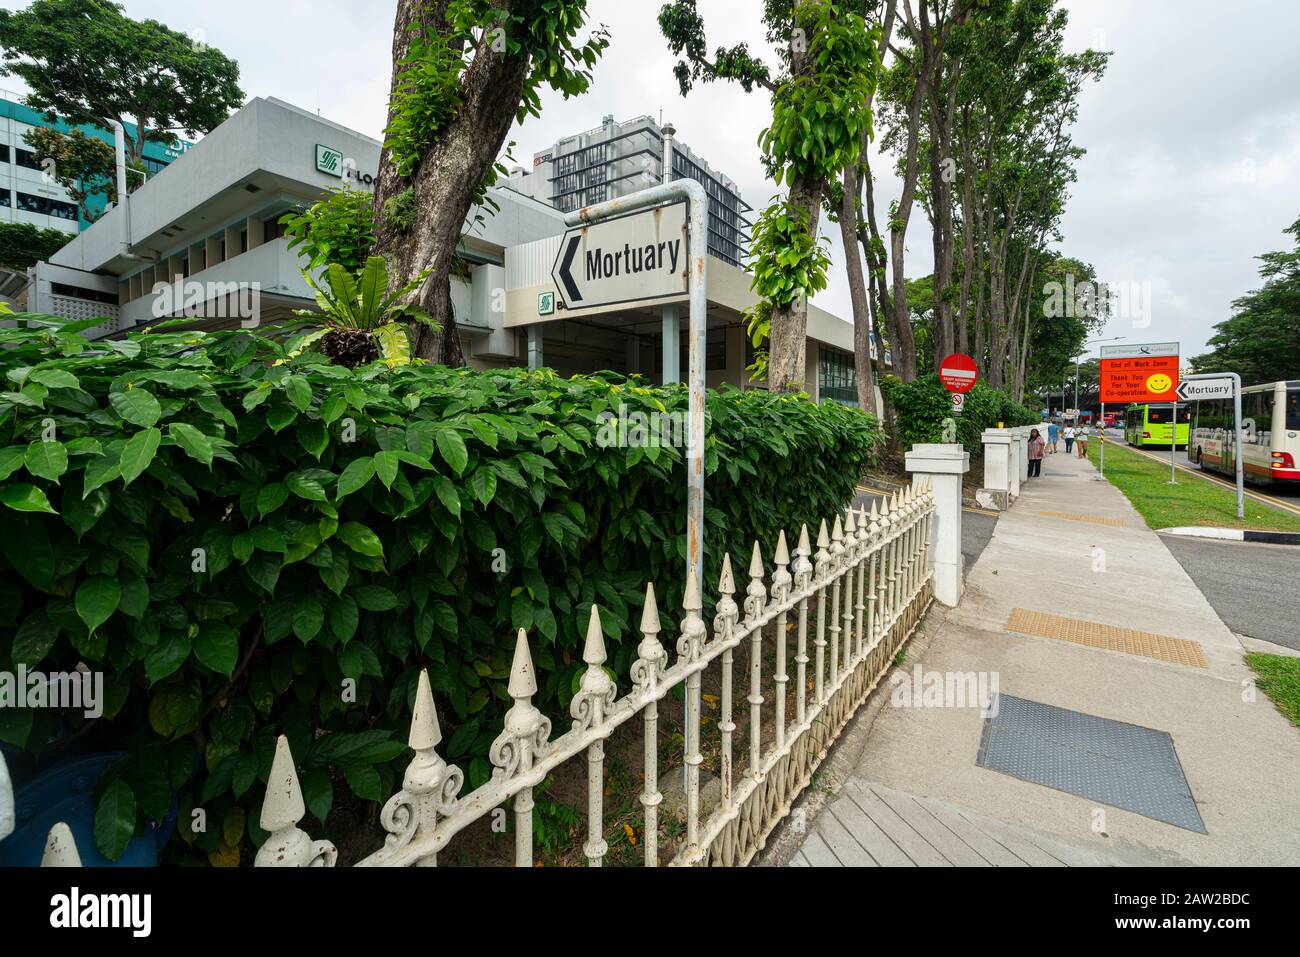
[
  {"x": 1076, "y": 370},
  {"x": 1101, "y": 433}
]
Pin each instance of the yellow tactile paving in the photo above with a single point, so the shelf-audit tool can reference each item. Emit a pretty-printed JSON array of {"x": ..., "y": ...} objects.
[
  {"x": 1179, "y": 651},
  {"x": 1094, "y": 519}
]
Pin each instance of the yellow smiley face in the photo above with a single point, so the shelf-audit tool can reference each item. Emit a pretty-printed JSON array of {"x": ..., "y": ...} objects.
[{"x": 1160, "y": 383}]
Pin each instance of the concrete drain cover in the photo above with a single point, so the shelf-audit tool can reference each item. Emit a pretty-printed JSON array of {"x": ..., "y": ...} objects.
[{"x": 1123, "y": 765}]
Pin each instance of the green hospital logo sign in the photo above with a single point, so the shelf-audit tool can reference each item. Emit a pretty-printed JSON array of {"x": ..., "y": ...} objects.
[
  {"x": 332, "y": 163},
  {"x": 329, "y": 160}
]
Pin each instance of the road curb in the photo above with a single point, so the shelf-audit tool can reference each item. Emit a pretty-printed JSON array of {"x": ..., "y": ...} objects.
[{"x": 1234, "y": 534}]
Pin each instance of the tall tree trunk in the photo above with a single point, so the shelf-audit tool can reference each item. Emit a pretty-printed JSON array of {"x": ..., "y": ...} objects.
[
  {"x": 872, "y": 251},
  {"x": 857, "y": 290},
  {"x": 450, "y": 171},
  {"x": 1022, "y": 367},
  {"x": 900, "y": 327},
  {"x": 967, "y": 194},
  {"x": 942, "y": 112},
  {"x": 788, "y": 343}
]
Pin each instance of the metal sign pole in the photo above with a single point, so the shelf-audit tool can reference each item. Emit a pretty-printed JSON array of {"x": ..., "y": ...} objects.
[
  {"x": 698, "y": 213},
  {"x": 1241, "y": 474},
  {"x": 1101, "y": 449},
  {"x": 1173, "y": 442},
  {"x": 1238, "y": 465}
]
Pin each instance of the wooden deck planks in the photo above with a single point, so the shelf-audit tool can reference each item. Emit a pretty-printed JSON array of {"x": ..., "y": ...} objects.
[
  {"x": 956, "y": 851},
  {"x": 870, "y": 825},
  {"x": 921, "y": 852}
]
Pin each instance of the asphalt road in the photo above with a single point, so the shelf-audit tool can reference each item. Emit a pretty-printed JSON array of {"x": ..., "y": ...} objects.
[{"x": 1252, "y": 587}]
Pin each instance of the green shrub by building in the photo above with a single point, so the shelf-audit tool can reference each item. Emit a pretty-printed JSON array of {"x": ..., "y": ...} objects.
[
  {"x": 923, "y": 406},
  {"x": 248, "y": 540}
]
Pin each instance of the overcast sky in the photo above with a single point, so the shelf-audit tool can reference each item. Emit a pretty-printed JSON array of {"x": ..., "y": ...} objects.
[{"x": 1193, "y": 135}]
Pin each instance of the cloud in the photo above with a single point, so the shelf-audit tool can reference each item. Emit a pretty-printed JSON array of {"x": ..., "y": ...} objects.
[{"x": 1193, "y": 135}]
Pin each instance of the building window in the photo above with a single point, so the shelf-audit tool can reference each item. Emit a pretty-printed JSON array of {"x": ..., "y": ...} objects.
[
  {"x": 27, "y": 159},
  {"x": 715, "y": 352},
  {"x": 79, "y": 292},
  {"x": 4, "y": 154},
  {"x": 272, "y": 229},
  {"x": 6, "y": 198},
  {"x": 50, "y": 207},
  {"x": 837, "y": 378}
]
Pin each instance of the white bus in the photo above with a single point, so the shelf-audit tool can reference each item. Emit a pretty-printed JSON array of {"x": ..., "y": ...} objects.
[{"x": 1270, "y": 428}]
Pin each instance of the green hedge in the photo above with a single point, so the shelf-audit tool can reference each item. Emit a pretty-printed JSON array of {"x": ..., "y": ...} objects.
[
  {"x": 923, "y": 405},
  {"x": 236, "y": 532}
]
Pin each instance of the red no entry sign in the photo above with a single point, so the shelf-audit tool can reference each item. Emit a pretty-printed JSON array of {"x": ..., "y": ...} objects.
[{"x": 957, "y": 373}]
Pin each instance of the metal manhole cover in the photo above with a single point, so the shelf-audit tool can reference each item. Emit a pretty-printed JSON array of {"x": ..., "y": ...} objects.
[{"x": 1111, "y": 762}]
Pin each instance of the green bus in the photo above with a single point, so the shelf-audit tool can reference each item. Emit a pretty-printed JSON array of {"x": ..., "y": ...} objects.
[{"x": 1150, "y": 425}]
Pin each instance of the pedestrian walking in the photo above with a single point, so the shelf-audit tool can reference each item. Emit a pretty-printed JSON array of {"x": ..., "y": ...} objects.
[
  {"x": 1053, "y": 433},
  {"x": 1068, "y": 435},
  {"x": 1081, "y": 442},
  {"x": 1035, "y": 453}
]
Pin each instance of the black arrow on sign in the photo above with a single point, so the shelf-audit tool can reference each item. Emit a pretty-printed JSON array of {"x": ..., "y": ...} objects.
[{"x": 571, "y": 292}]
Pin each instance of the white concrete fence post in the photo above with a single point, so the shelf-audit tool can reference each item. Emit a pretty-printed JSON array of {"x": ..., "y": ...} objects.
[
  {"x": 942, "y": 467},
  {"x": 60, "y": 848},
  {"x": 1022, "y": 435},
  {"x": 999, "y": 466},
  {"x": 7, "y": 812},
  {"x": 1014, "y": 464}
]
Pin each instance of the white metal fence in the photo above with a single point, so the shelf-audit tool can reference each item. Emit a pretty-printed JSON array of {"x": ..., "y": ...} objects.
[{"x": 850, "y": 605}]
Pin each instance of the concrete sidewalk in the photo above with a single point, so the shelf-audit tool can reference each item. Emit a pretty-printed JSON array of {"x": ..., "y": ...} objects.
[{"x": 1072, "y": 547}]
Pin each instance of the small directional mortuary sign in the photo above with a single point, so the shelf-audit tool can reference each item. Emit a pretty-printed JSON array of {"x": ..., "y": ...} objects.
[
  {"x": 633, "y": 258},
  {"x": 1190, "y": 390}
]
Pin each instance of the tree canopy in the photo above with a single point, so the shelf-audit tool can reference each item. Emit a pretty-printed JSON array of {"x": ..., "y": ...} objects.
[
  {"x": 1261, "y": 340},
  {"x": 83, "y": 165},
  {"x": 86, "y": 61},
  {"x": 820, "y": 89}
]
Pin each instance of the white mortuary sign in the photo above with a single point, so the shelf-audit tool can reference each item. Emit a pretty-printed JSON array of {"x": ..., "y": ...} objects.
[{"x": 634, "y": 258}]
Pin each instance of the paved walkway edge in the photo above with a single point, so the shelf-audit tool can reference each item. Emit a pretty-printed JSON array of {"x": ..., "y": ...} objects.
[{"x": 1233, "y": 534}]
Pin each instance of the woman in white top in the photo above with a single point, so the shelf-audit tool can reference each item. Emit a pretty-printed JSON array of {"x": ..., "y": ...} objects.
[{"x": 1068, "y": 435}]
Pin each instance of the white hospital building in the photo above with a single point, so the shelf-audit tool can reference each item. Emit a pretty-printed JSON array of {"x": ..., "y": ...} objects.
[{"x": 208, "y": 223}]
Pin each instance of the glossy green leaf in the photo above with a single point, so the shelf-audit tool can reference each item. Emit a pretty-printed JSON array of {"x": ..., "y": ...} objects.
[
  {"x": 97, "y": 599},
  {"x": 47, "y": 460},
  {"x": 115, "y": 819},
  {"x": 137, "y": 406}
]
